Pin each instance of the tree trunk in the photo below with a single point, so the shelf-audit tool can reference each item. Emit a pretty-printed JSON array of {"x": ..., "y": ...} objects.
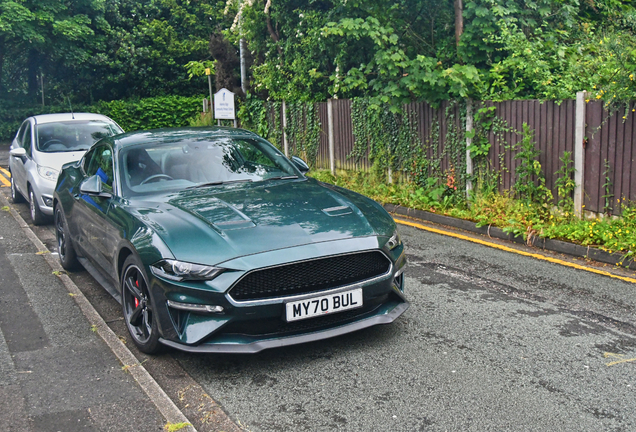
[
  {"x": 459, "y": 21},
  {"x": 272, "y": 32},
  {"x": 32, "y": 74},
  {"x": 2, "y": 50}
]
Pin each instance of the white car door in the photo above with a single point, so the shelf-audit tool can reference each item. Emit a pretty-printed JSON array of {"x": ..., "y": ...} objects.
[{"x": 18, "y": 164}]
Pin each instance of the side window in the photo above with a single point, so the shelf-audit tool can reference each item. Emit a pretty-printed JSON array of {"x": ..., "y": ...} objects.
[
  {"x": 20, "y": 135},
  {"x": 101, "y": 164},
  {"x": 87, "y": 160},
  {"x": 26, "y": 139}
]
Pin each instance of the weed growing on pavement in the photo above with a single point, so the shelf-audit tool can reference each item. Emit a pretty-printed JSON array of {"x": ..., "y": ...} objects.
[{"x": 173, "y": 427}]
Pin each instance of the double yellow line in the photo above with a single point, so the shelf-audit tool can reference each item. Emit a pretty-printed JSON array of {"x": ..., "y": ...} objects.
[
  {"x": 4, "y": 178},
  {"x": 512, "y": 250}
]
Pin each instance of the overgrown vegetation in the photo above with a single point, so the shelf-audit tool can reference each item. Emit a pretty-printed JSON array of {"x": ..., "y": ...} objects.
[{"x": 517, "y": 216}]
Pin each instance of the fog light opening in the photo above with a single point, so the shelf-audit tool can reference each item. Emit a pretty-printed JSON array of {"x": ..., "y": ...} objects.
[
  {"x": 48, "y": 201},
  {"x": 196, "y": 308},
  {"x": 398, "y": 281}
]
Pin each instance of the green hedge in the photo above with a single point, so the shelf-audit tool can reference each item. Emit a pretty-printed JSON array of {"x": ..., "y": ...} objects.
[{"x": 139, "y": 114}]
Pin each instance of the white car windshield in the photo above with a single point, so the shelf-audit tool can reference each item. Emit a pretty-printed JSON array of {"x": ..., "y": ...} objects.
[{"x": 71, "y": 136}]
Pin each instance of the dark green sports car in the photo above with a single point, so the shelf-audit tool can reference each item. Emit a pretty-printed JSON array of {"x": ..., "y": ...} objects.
[{"x": 214, "y": 241}]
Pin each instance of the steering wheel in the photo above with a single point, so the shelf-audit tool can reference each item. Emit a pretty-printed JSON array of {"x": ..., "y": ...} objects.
[
  {"x": 50, "y": 142},
  {"x": 155, "y": 177}
]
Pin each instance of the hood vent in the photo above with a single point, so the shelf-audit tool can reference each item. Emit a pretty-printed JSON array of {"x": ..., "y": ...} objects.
[{"x": 337, "y": 211}]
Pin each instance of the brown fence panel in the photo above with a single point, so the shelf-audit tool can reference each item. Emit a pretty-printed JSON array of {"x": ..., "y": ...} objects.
[
  {"x": 553, "y": 127},
  {"x": 611, "y": 139},
  {"x": 343, "y": 136},
  {"x": 592, "y": 185}
]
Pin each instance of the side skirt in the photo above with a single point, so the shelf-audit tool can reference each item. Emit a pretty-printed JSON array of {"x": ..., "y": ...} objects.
[{"x": 100, "y": 278}]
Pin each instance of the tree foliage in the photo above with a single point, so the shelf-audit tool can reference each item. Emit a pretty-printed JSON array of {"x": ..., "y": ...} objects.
[{"x": 310, "y": 50}]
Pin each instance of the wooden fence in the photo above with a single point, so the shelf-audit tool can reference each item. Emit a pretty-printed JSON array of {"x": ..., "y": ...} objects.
[{"x": 606, "y": 172}]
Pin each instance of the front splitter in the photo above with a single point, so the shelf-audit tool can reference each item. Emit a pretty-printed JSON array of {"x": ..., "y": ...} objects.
[{"x": 257, "y": 346}]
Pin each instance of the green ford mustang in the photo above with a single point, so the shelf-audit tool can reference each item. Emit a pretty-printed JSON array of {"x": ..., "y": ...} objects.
[{"x": 214, "y": 241}]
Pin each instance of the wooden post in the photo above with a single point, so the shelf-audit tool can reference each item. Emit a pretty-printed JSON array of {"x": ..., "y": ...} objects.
[
  {"x": 285, "y": 143},
  {"x": 579, "y": 153},
  {"x": 469, "y": 142},
  {"x": 332, "y": 146}
]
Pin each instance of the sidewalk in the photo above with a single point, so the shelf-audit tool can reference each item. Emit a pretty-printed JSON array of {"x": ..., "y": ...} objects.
[{"x": 56, "y": 373}]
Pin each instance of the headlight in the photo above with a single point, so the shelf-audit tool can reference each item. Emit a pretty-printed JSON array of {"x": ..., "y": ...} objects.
[
  {"x": 394, "y": 241},
  {"x": 180, "y": 271},
  {"x": 48, "y": 173}
]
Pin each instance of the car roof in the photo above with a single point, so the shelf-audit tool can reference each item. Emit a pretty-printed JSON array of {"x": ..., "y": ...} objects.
[
  {"x": 52, "y": 118},
  {"x": 168, "y": 135}
]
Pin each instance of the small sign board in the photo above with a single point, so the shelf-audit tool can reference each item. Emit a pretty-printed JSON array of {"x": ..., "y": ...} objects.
[
  {"x": 208, "y": 71},
  {"x": 224, "y": 105}
]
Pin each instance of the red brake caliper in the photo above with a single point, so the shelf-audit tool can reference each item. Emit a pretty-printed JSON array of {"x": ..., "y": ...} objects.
[{"x": 136, "y": 299}]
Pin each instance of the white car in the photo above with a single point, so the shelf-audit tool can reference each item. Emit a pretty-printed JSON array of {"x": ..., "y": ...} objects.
[{"x": 42, "y": 145}]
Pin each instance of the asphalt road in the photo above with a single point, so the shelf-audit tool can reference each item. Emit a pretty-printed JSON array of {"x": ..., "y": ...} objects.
[{"x": 492, "y": 341}]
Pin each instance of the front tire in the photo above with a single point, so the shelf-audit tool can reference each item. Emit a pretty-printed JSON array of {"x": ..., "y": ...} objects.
[
  {"x": 65, "y": 250},
  {"x": 16, "y": 197},
  {"x": 37, "y": 216},
  {"x": 137, "y": 307}
]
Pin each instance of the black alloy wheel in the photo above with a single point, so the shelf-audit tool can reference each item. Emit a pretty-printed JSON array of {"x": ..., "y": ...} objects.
[
  {"x": 138, "y": 309},
  {"x": 65, "y": 249},
  {"x": 16, "y": 197}
]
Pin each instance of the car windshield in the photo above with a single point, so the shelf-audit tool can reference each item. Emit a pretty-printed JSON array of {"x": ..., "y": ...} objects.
[
  {"x": 168, "y": 167},
  {"x": 75, "y": 135}
]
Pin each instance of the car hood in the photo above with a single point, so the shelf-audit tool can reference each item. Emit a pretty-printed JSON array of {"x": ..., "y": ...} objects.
[
  {"x": 215, "y": 224},
  {"x": 56, "y": 160}
]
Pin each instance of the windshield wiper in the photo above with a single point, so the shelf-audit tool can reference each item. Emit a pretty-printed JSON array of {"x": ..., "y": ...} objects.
[
  {"x": 72, "y": 150},
  {"x": 282, "y": 177},
  {"x": 217, "y": 183}
]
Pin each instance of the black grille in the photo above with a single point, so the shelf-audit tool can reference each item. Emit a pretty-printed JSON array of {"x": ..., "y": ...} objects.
[{"x": 310, "y": 276}]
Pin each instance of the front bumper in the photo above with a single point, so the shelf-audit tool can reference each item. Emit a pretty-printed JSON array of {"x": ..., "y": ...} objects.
[
  {"x": 251, "y": 326},
  {"x": 385, "y": 315},
  {"x": 43, "y": 191}
]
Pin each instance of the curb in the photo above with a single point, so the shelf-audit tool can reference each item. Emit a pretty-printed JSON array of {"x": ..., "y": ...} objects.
[
  {"x": 155, "y": 393},
  {"x": 558, "y": 246}
]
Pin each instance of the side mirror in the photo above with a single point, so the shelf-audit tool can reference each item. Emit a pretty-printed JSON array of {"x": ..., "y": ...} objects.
[
  {"x": 300, "y": 164},
  {"x": 93, "y": 186},
  {"x": 18, "y": 152}
]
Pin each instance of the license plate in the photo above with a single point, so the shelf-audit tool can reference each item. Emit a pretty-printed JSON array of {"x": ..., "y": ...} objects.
[{"x": 323, "y": 305}]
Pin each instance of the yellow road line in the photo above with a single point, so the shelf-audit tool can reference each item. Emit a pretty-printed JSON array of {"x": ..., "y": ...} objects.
[
  {"x": 519, "y": 252},
  {"x": 4, "y": 180},
  {"x": 619, "y": 356}
]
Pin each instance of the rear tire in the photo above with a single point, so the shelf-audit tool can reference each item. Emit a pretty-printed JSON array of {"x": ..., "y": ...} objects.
[
  {"x": 138, "y": 309},
  {"x": 65, "y": 250},
  {"x": 37, "y": 216},
  {"x": 16, "y": 197}
]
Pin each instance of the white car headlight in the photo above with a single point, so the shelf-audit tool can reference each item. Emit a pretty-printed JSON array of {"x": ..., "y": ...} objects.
[
  {"x": 48, "y": 173},
  {"x": 180, "y": 271}
]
